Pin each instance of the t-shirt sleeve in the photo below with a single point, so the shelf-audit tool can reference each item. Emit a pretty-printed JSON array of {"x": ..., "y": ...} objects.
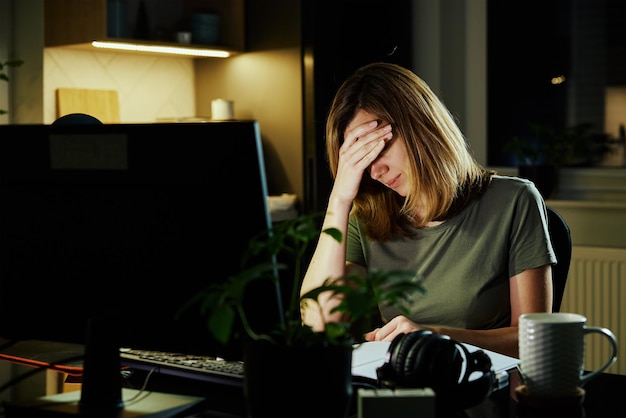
[{"x": 530, "y": 237}]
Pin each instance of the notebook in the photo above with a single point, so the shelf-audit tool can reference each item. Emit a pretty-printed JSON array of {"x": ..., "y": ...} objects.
[{"x": 369, "y": 356}]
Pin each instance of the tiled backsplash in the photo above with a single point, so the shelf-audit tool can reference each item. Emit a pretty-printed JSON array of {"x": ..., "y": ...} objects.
[{"x": 149, "y": 87}]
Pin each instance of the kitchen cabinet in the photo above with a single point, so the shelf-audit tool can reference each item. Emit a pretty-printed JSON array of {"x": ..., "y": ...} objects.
[{"x": 76, "y": 23}]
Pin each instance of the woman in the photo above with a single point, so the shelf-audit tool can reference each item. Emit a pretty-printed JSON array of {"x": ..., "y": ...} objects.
[{"x": 408, "y": 194}]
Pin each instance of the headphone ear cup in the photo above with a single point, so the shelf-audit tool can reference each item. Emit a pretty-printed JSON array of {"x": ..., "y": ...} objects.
[
  {"x": 403, "y": 354},
  {"x": 392, "y": 372},
  {"x": 422, "y": 360}
]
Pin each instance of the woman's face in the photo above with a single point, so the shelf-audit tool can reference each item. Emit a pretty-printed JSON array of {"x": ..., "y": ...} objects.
[{"x": 391, "y": 166}]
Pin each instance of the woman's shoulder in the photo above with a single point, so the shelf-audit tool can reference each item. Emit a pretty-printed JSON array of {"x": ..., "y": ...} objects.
[
  {"x": 510, "y": 183},
  {"x": 505, "y": 197},
  {"x": 511, "y": 189}
]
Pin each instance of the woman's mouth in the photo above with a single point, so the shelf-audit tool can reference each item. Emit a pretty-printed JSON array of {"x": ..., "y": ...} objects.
[{"x": 393, "y": 182}]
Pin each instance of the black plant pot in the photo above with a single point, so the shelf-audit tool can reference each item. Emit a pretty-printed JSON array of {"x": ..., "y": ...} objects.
[
  {"x": 297, "y": 382},
  {"x": 545, "y": 177}
]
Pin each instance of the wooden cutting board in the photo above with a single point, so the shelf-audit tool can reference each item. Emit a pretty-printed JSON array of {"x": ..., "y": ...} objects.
[{"x": 102, "y": 104}]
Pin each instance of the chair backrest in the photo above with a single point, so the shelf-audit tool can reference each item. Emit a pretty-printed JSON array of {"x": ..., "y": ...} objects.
[{"x": 562, "y": 243}]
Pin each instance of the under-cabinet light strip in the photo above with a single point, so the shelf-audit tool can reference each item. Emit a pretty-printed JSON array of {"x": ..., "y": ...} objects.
[{"x": 197, "y": 52}]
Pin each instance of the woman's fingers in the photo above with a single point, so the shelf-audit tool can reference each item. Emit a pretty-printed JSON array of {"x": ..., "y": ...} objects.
[
  {"x": 363, "y": 144},
  {"x": 360, "y": 131},
  {"x": 366, "y": 133}
]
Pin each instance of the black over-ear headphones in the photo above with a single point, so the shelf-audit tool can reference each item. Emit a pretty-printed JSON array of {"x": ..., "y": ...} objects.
[{"x": 423, "y": 359}]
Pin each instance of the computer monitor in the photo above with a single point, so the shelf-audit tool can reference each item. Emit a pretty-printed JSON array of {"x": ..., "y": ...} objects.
[{"x": 128, "y": 221}]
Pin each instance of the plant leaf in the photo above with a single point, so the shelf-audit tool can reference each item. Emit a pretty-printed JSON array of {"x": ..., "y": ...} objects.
[
  {"x": 335, "y": 233},
  {"x": 220, "y": 323}
]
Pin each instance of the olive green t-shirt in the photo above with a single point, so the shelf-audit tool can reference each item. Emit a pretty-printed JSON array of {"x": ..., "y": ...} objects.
[{"x": 466, "y": 262}]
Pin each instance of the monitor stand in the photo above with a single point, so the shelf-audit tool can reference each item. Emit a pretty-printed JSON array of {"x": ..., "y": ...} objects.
[{"x": 101, "y": 389}]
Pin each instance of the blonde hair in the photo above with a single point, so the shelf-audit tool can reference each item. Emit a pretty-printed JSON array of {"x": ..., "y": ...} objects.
[{"x": 443, "y": 175}]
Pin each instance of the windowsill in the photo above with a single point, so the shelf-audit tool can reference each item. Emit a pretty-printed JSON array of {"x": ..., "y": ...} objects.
[{"x": 596, "y": 185}]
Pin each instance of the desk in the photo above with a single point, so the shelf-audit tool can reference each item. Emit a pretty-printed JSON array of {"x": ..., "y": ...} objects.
[{"x": 604, "y": 398}]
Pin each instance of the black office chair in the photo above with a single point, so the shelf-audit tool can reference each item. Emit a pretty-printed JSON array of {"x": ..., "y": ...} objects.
[
  {"x": 562, "y": 243},
  {"x": 77, "y": 119}
]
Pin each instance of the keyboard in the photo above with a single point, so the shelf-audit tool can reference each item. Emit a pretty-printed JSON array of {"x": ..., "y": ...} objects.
[{"x": 209, "y": 369}]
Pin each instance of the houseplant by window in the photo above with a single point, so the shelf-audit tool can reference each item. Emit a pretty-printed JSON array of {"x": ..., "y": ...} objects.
[
  {"x": 540, "y": 155},
  {"x": 321, "y": 368}
]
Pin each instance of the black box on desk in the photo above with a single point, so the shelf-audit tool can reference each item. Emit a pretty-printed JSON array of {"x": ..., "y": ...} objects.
[{"x": 399, "y": 403}]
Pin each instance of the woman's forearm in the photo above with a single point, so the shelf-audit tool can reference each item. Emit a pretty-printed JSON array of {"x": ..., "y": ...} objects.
[{"x": 328, "y": 261}]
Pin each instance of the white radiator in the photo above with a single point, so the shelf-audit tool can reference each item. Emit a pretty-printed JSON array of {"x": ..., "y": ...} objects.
[{"x": 596, "y": 288}]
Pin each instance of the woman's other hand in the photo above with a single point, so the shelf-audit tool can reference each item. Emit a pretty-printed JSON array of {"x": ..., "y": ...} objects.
[{"x": 398, "y": 325}]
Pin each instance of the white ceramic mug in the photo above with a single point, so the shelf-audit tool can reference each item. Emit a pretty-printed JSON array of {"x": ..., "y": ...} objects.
[{"x": 552, "y": 353}]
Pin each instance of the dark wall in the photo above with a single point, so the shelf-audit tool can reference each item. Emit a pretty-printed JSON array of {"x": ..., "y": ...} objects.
[{"x": 338, "y": 36}]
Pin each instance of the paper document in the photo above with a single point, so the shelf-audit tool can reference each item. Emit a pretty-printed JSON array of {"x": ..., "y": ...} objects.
[{"x": 369, "y": 356}]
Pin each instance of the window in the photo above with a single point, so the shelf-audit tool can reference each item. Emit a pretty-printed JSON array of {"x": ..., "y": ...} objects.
[{"x": 559, "y": 63}]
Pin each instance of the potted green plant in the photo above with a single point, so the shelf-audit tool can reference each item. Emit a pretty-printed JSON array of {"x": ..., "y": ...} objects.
[
  {"x": 4, "y": 76},
  {"x": 540, "y": 155},
  {"x": 324, "y": 358}
]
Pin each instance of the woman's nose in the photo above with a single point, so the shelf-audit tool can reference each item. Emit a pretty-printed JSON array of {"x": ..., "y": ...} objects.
[{"x": 376, "y": 170}]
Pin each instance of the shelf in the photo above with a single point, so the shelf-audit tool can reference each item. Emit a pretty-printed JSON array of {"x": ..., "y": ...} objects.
[{"x": 77, "y": 23}]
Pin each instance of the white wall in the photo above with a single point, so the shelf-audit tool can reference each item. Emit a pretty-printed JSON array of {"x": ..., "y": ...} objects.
[
  {"x": 450, "y": 49},
  {"x": 149, "y": 87},
  {"x": 265, "y": 86},
  {"x": 5, "y": 33},
  {"x": 27, "y": 82}
]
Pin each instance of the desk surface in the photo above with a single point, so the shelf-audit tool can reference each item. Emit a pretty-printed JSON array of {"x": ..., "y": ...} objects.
[
  {"x": 136, "y": 404},
  {"x": 604, "y": 395}
]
